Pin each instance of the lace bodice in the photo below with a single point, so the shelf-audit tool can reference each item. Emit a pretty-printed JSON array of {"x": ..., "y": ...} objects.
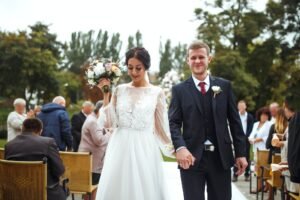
[{"x": 138, "y": 108}]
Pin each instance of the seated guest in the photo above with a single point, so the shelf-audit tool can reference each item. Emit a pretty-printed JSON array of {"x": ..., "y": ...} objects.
[
  {"x": 77, "y": 122},
  {"x": 15, "y": 119},
  {"x": 30, "y": 146},
  {"x": 94, "y": 139}
]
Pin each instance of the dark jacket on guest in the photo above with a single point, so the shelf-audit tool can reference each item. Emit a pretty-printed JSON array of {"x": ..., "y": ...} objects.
[
  {"x": 273, "y": 150},
  {"x": 77, "y": 123},
  {"x": 29, "y": 147},
  {"x": 294, "y": 148},
  {"x": 56, "y": 124}
]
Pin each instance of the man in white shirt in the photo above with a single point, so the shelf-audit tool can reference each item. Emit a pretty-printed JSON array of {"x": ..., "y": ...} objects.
[{"x": 247, "y": 123}]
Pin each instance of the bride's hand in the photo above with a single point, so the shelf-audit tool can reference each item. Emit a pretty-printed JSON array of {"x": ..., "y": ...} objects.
[{"x": 103, "y": 82}]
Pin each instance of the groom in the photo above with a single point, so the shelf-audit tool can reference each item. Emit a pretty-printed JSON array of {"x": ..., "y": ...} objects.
[{"x": 203, "y": 119}]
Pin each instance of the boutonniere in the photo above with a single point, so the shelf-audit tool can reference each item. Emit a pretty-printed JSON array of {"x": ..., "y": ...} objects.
[{"x": 216, "y": 90}]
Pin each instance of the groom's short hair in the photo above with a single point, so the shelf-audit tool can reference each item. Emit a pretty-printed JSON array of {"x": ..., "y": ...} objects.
[{"x": 198, "y": 45}]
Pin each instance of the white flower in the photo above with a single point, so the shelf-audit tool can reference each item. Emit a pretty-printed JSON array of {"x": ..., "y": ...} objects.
[
  {"x": 91, "y": 82},
  {"x": 216, "y": 89},
  {"x": 99, "y": 69},
  {"x": 90, "y": 74}
]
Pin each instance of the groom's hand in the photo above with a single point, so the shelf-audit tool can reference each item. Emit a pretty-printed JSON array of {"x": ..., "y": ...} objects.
[
  {"x": 241, "y": 164},
  {"x": 184, "y": 158}
]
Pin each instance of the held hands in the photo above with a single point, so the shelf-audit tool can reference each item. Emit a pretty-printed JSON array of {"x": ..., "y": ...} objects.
[
  {"x": 184, "y": 158},
  {"x": 241, "y": 164}
]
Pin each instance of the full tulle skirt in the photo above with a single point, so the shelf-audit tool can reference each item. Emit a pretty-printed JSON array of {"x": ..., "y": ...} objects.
[{"x": 132, "y": 168}]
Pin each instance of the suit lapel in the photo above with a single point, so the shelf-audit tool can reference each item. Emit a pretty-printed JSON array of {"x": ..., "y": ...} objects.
[
  {"x": 194, "y": 92},
  {"x": 213, "y": 99}
]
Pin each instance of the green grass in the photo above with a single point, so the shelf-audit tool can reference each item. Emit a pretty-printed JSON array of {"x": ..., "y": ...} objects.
[{"x": 2, "y": 142}]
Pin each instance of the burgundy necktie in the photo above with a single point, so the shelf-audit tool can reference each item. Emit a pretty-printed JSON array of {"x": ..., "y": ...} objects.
[{"x": 202, "y": 87}]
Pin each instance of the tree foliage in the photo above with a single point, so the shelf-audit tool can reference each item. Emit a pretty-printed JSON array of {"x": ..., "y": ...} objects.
[
  {"x": 28, "y": 62},
  {"x": 257, "y": 50}
]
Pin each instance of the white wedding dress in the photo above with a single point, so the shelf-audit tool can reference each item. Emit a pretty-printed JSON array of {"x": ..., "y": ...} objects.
[{"x": 133, "y": 163}]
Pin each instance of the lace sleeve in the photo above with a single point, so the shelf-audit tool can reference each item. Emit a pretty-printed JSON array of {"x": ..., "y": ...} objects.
[
  {"x": 107, "y": 118},
  {"x": 162, "y": 129}
]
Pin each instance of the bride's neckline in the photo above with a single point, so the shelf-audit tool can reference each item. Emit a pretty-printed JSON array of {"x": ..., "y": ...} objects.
[{"x": 146, "y": 86}]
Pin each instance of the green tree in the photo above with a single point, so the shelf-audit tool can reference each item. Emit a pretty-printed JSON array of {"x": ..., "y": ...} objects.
[
  {"x": 259, "y": 39},
  {"x": 28, "y": 62},
  {"x": 84, "y": 46},
  {"x": 135, "y": 41}
]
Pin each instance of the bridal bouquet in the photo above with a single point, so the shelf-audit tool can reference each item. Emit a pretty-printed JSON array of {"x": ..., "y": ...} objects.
[{"x": 98, "y": 69}]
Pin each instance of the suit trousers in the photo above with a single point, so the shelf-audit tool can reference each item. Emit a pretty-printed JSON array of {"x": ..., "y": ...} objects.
[{"x": 212, "y": 174}]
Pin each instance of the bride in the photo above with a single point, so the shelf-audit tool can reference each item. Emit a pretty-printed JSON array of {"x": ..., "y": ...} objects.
[{"x": 137, "y": 111}]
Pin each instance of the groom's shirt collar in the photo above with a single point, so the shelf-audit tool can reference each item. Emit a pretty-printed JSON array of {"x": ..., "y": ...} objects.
[{"x": 206, "y": 80}]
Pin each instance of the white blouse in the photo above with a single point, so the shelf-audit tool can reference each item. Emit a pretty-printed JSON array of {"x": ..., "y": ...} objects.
[{"x": 262, "y": 132}]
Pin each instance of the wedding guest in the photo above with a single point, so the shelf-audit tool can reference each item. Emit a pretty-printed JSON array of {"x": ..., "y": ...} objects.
[
  {"x": 30, "y": 146},
  {"x": 273, "y": 111},
  {"x": 56, "y": 123},
  {"x": 15, "y": 119},
  {"x": 247, "y": 122},
  {"x": 260, "y": 132},
  {"x": 94, "y": 139},
  {"x": 292, "y": 101},
  {"x": 290, "y": 186},
  {"x": 77, "y": 122},
  {"x": 277, "y": 130}
]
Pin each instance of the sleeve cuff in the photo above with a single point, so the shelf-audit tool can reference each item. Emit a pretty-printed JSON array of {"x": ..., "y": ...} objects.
[{"x": 179, "y": 148}]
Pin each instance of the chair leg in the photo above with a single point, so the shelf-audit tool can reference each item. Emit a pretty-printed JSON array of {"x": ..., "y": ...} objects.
[
  {"x": 73, "y": 197},
  {"x": 257, "y": 187},
  {"x": 262, "y": 183},
  {"x": 90, "y": 196},
  {"x": 250, "y": 185}
]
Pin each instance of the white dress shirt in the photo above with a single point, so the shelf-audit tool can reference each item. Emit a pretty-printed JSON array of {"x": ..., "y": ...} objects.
[
  {"x": 244, "y": 121},
  {"x": 206, "y": 80}
]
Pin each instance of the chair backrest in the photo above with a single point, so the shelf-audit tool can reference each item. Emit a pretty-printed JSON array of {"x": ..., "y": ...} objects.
[
  {"x": 276, "y": 158},
  {"x": 275, "y": 178},
  {"x": 23, "y": 180},
  {"x": 262, "y": 160},
  {"x": 78, "y": 169},
  {"x": 1, "y": 153}
]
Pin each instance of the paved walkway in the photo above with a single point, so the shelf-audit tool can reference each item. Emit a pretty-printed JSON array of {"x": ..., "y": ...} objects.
[{"x": 240, "y": 189}]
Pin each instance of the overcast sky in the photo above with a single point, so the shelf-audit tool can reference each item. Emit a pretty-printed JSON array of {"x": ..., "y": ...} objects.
[{"x": 157, "y": 20}]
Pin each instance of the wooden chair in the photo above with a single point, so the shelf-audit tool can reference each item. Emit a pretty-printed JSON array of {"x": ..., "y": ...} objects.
[
  {"x": 275, "y": 180},
  {"x": 23, "y": 180},
  {"x": 260, "y": 172},
  {"x": 1, "y": 153},
  {"x": 294, "y": 196},
  {"x": 78, "y": 169}
]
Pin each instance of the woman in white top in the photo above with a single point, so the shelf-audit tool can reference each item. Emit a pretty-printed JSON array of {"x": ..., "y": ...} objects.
[
  {"x": 260, "y": 133},
  {"x": 261, "y": 128}
]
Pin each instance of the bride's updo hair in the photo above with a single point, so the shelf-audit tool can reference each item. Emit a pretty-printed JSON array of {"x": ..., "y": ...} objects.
[{"x": 139, "y": 53}]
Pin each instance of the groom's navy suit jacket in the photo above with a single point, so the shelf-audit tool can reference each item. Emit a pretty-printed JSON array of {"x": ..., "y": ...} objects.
[{"x": 187, "y": 128}]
